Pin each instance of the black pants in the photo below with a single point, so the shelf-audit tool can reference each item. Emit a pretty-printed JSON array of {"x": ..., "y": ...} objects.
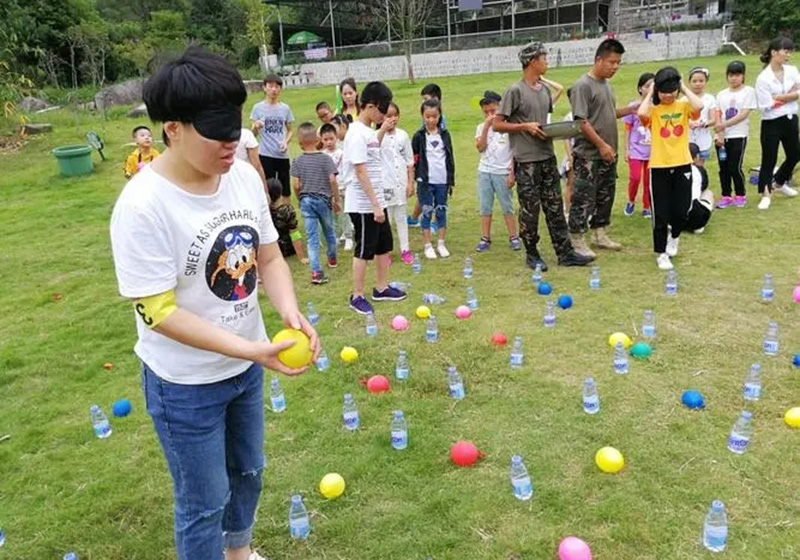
[
  {"x": 670, "y": 197},
  {"x": 730, "y": 170},
  {"x": 774, "y": 132},
  {"x": 277, "y": 167}
]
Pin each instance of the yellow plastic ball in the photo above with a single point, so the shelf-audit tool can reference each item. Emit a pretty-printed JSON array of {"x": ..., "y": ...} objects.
[
  {"x": 348, "y": 354},
  {"x": 620, "y": 337},
  {"x": 609, "y": 460},
  {"x": 423, "y": 311},
  {"x": 331, "y": 486},
  {"x": 792, "y": 417},
  {"x": 296, "y": 356}
]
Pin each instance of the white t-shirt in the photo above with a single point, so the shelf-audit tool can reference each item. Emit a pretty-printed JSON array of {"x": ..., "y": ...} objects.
[
  {"x": 730, "y": 103},
  {"x": 361, "y": 146},
  {"x": 702, "y": 136},
  {"x": 336, "y": 156},
  {"x": 435, "y": 153},
  {"x": 496, "y": 158},
  {"x": 246, "y": 141},
  {"x": 768, "y": 85},
  {"x": 397, "y": 158},
  {"x": 202, "y": 247}
]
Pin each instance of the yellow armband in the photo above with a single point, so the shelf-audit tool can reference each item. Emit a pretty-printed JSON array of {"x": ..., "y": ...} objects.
[
  {"x": 154, "y": 309},
  {"x": 295, "y": 236}
]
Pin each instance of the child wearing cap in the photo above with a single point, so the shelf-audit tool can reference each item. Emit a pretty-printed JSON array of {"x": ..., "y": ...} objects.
[
  {"x": 143, "y": 154},
  {"x": 495, "y": 175},
  {"x": 272, "y": 119},
  {"x": 670, "y": 161}
]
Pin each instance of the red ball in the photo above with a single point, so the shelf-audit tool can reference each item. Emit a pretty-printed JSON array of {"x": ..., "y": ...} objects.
[
  {"x": 499, "y": 339},
  {"x": 378, "y": 384},
  {"x": 464, "y": 453}
]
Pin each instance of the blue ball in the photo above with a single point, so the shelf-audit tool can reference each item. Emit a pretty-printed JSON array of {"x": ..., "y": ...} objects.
[
  {"x": 693, "y": 400},
  {"x": 796, "y": 361},
  {"x": 545, "y": 289},
  {"x": 121, "y": 408},
  {"x": 565, "y": 301}
]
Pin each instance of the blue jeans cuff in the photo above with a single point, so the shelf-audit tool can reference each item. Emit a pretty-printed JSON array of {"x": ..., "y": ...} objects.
[{"x": 238, "y": 539}]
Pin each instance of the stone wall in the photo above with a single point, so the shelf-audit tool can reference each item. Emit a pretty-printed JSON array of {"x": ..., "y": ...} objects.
[{"x": 684, "y": 44}]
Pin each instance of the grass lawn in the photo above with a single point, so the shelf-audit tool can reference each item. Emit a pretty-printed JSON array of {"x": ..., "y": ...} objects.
[{"x": 62, "y": 489}]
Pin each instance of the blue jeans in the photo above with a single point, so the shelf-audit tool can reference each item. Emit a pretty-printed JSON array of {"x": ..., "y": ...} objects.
[
  {"x": 433, "y": 200},
  {"x": 316, "y": 213},
  {"x": 489, "y": 186},
  {"x": 213, "y": 439}
]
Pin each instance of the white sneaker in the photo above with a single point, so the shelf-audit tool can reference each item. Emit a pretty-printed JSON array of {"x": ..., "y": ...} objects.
[
  {"x": 699, "y": 231},
  {"x": 785, "y": 190},
  {"x": 764, "y": 203},
  {"x": 663, "y": 262},
  {"x": 256, "y": 556},
  {"x": 429, "y": 252},
  {"x": 443, "y": 252},
  {"x": 672, "y": 245},
  {"x": 348, "y": 244}
]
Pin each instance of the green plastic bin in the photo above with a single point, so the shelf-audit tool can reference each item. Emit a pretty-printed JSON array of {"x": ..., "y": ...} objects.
[{"x": 74, "y": 160}]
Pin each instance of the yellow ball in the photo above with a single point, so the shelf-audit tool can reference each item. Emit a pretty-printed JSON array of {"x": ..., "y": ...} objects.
[
  {"x": 296, "y": 356},
  {"x": 792, "y": 417},
  {"x": 609, "y": 460},
  {"x": 423, "y": 311},
  {"x": 348, "y": 354},
  {"x": 620, "y": 337},
  {"x": 331, "y": 486}
]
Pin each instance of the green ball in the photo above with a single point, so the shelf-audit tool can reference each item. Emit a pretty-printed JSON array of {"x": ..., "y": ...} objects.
[{"x": 641, "y": 350}]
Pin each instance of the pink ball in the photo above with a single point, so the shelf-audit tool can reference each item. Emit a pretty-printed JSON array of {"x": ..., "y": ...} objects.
[
  {"x": 399, "y": 323},
  {"x": 573, "y": 548},
  {"x": 463, "y": 312},
  {"x": 796, "y": 294}
]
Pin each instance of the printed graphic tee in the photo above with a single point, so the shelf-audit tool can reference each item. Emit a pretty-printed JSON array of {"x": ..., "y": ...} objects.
[
  {"x": 276, "y": 117},
  {"x": 202, "y": 247},
  {"x": 669, "y": 131},
  {"x": 730, "y": 103}
]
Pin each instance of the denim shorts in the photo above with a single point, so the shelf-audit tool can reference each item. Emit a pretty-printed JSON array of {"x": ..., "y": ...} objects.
[{"x": 489, "y": 186}]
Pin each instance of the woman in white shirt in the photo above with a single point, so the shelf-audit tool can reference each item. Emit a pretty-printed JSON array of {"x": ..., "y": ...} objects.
[{"x": 777, "y": 91}]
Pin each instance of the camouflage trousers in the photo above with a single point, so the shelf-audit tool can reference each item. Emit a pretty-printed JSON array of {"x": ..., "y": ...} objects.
[
  {"x": 593, "y": 195},
  {"x": 539, "y": 186}
]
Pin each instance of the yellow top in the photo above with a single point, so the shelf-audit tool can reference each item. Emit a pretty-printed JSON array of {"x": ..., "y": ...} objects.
[
  {"x": 669, "y": 132},
  {"x": 135, "y": 159}
]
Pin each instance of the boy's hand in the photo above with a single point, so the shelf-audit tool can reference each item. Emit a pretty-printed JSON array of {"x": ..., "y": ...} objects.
[
  {"x": 283, "y": 146},
  {"x": 388, "y": 122},
  {"x": 266, "y": 354},
  {"x": 377, "y": 213},
  {"x": 511, "y": 180},
  {"x": 259, "y": 124},
  {"x": 410, "y": 191},
  {"x": 297, "y": 320}
]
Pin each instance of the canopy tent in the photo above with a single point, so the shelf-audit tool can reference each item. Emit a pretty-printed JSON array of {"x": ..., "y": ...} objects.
[{"x": 303, "y": 38}]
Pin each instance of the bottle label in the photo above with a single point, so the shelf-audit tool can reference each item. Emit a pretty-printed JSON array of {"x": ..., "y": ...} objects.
[
  {"x": 457, "y": 391},
  {"x": 648, "y": 331},
  {"x": 467, "y": 273},
  {"x": 516, "y": 360},
  {"x": 102, "y": 430},
  {"x": 671, "y": 289},
  {"x": 770, "y": 347},
  {"x": 351, "y": 420},
  {"x": 767, "y": 294},
  {"x": 549, "y": 320},
  {"x": 278, "y": 403},
  {"x": 620, "y": 366},
  {"x": 313, "y": 319},
  {"x": 594, "y": 284},
  {"x": 591, "y": 405},
  {"x": 752, "y": 391},
  {"x": 431, "y": 336},
  {"x": 523, "y": 489},
  {"x": 399, "y": 439},
  {"x": 416, "y": 268},
  {"x": 738, "y": 443},
  {"x": 401, "y": 373},
  {"x": 372, "y": 330},
  {"x": 299, "y": 528},
  {"x": 322, "y": 363},
  {"x": 472, "y": 304},
  {"x": 716, "y": 537},
  {"x": 536, "y": 279}
]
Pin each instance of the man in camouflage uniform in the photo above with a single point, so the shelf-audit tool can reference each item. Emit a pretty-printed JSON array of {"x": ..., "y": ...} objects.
[{"x": 524, "y": 105}]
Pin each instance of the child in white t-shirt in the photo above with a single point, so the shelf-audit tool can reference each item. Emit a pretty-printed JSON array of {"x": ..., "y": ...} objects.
[
  {"x": 495, "y": 175},
  {"x": 328, "y": 134},
  {"x": 247, "y": 150},
  {"x": 700, "y": 129},
  {"x": 398, "y": 177}
]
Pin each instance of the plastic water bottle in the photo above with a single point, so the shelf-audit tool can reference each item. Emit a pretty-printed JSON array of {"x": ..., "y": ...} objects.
[
  {"x": 431, "y": 330},
  {"x": 649, "y": 325},
  {"x": 770, "y": 344},
  {"x": 312, "y": 315},
  {"x": 468, "y": 268},
  {"x": 741, "y": 433},
  {"x": 371, "y": 327},
  {"x": 722, "y": 155},
  {"x": 536, "y": 277},
  {"x": 401, "y": 370},
  {"x": 715, "y": 529},
  {"x": 520, "y": 480},
  {"x": 323, "y": 362},
  {"x": 399, "y": 431},
  {"x": 276, "y": 397},
  {"x": 416, "y": 265},
  {"x": 550, "y": 313},
  {"x": 402, "y": 286},
  {"x": 671, "y": 286},
  {"x": 620, "y": 359},
  {"x": 767, "y": 289},
  {"x": 752, "y": 383},
  {"x": 299, "y": 525},
  {"x": 350, "y": 413},
  {"x": 70, "y": 556},
  {"x": 2, "y": 538},
  {"x": 472, "y": 300},
  {"x": 455, "y": 383},
  {"x": 517, "y": 354},
  {"x": 594, "y": 278},
  {"x": 591, "y": 400},
  {"x": 100, "y": 423},
  {"x": 432, "y": 299}
]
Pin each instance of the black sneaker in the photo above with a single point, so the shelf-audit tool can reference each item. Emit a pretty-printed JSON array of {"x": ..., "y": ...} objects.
[
  {"x": 389, "y": 294},
  {"x": 574, "y": 259},
  {"x": 531, "y": 260}
]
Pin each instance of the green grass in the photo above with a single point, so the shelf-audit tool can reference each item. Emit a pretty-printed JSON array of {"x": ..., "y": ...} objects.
[{"x": 62, "y": 489}]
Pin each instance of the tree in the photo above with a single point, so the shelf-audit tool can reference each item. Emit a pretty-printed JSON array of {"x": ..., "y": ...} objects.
[
  {"x": 96, "y": 47},
  {"x": 258, "y": 33},
  {"x": 767, "y": 19},
  {"x": 407, "y": 18}
]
